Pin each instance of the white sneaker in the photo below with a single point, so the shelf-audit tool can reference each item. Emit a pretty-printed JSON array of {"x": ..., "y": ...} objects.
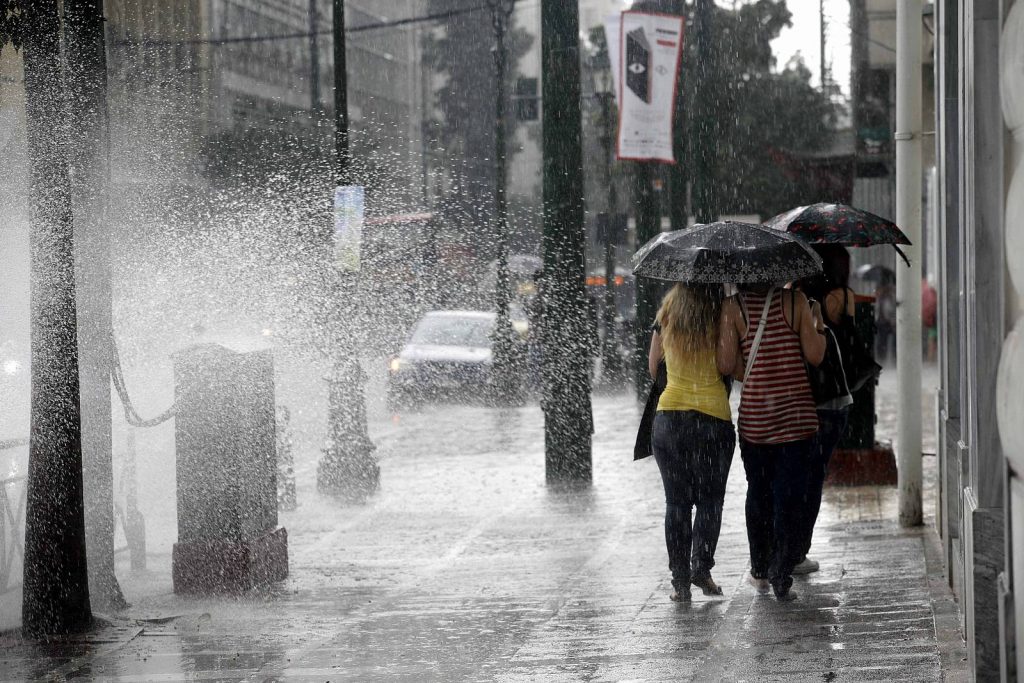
[
  {"x": 760, "y": 585},
  {"x": 806, "y": 566}
]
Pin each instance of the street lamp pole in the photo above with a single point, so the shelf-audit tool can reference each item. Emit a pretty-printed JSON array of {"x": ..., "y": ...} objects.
[
  {"x": 504, "y": 356},
  {"x": 611, "y": 368},
  {"x": 348, "y": 467}
]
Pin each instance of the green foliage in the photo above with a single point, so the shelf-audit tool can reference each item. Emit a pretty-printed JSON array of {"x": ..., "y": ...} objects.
[
  {"x": 462, "y": 131},
  {"x": 759, "y": 112},
  {"x": 11, "y": 13}
]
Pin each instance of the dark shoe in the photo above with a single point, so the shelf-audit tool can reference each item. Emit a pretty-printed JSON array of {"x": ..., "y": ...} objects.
[
  {"x": 784, "y": 594},
  {"x": 707, "y": 585},
  {"x": 680, "y": 595}
]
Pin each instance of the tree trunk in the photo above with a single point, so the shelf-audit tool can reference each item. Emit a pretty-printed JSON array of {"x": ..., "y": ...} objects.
[
  {"x": 568, "y": 420},
  {"x": 86, "y": 76},
  {"x": 56, "y": 582}
]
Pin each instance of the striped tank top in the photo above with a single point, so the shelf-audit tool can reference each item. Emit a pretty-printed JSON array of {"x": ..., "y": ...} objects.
[{"x": 776, "y": 405}]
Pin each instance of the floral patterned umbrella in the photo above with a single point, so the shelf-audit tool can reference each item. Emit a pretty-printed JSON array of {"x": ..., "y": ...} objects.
[
  {"x": 839, "y": 224},
  {"x": 726, "y": 251}
]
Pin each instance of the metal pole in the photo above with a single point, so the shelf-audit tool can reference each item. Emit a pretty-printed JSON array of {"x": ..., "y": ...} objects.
[
  {"x": 348, "y": 468},
  {"x": 315, "y": 106},
  {"x": 703, "y": 170},
  {"x": 611, "y": 370},
  {"x": 343, "y": 159},
  {"x": 647, "y": 226},
  {"x": 821, "y": 43},
  {"x": 908, "y": 280},
  {"x": 505, "y": 379}
]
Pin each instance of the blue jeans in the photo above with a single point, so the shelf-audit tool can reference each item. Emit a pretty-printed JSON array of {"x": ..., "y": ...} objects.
[
  {"x": 776, "y": 490},
  {"x": 694, "y": 453},
  {"x": 831, "y": 427}
]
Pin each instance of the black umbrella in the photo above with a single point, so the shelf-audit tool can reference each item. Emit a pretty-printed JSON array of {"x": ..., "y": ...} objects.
[
  {"x": 872, "y": 272},
  {"x": 726, "y": 251},
  {"x": 839, "y": 224}
]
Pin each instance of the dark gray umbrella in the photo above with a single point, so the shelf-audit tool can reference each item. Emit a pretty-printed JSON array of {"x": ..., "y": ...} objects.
[{"x": 726, "y": 251}]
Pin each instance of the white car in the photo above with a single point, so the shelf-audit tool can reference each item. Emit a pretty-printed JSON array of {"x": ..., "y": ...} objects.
[{"x": 448, "y": 355}]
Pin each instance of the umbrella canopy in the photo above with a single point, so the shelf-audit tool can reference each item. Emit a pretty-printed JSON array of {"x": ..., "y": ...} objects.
[
  {"x": 726, "y": 251},
  {"x": 871, "y": 272},
  {"x": 839, "y": 224}
]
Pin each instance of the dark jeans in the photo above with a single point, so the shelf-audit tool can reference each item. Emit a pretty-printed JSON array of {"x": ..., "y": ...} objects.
[
  {"x": 776, "y": 488},
  {"x": 831, "y": 427},
  {"x": 694, "y": 452}
]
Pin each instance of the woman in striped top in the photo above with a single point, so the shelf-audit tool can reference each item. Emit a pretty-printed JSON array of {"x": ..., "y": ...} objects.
[{"x": 777, "y": 421}]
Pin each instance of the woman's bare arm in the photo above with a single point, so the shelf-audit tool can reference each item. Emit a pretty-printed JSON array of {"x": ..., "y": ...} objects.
[
  {"x": 728, "y": 351},
  {"x": 654, "y": 355},
  {"x": 808, "y": 321},
  {"x": 834, "y": 305}
]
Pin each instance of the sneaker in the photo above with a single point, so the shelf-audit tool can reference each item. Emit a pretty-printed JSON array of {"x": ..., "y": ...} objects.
[
  {"x": 760, "y": 585},
  {"x": 680, "y": 595},
  {"x": 784, "y": 594},
  {"x": 806, "y": 566},
  {"x": 708, "y": 586}
]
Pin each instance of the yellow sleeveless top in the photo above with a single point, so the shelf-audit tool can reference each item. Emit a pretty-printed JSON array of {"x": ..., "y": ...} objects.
[{"x": 694, "y": 384}]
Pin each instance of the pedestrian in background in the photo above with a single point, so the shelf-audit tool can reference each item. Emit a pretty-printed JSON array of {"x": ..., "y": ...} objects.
[
  {"x": 775, "y": 330},
  {"x": 693, "y": 435},
  {"x": 929, "y": 321},
  {"x": 885, "y": 320},
  {"x": 828, "y": 383}
]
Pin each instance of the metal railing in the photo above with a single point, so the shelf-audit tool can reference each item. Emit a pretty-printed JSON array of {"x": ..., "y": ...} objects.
[{"x": 12, "y": 515}]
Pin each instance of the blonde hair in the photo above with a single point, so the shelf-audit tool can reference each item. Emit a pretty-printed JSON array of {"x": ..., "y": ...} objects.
[{"x": 689, "y": 318}]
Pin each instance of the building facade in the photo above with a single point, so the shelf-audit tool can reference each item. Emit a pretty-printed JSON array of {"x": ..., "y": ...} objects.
[
  {"x": 187, "y": 75},
  {"x": 979, "y": 76}
]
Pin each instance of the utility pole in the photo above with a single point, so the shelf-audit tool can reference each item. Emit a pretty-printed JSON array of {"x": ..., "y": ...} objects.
[
  {"x": 648, "y": 221},
  {"x": 86, "y": 81},
  {"x": 908, "y": 280},
  {"x": 648, "y": 224},
  {"x": 568, "y": 419},
  {"x": 315, "y": 105},
  {"x": 55, "y": 598},
  {"x": 348, "y": 467},
  {"x": 705, "y": 208},
  {"x": 507, "y": 373},
  {"x": 343, "y": 158},
  {"x": 822, "y": 26},
  {"x": 611, "y": 365},
  {"x": 678, "y": 204}
]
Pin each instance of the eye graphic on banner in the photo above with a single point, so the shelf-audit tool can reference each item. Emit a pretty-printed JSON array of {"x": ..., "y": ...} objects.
[{"x": 645, "y": 50}]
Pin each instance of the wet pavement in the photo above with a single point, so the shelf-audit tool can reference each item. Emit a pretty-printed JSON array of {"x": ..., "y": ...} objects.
[{"x": 465, "y": 566}]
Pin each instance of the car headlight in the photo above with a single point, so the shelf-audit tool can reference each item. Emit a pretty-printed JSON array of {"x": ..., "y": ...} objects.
[{"x": 395, "y": 365}]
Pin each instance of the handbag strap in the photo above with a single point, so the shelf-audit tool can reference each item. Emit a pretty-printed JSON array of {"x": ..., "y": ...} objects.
[{"x": 760, "y": 332}]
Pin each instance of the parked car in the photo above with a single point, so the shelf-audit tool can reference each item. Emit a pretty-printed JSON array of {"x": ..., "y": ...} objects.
[{"x": 448, "y": 355}]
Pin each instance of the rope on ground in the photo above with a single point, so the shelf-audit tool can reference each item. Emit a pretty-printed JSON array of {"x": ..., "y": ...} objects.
[{"x": 130, "y": 414}]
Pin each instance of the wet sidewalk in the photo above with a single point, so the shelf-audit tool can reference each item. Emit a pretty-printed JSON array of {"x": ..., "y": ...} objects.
[{"x": 466, "y": 566}]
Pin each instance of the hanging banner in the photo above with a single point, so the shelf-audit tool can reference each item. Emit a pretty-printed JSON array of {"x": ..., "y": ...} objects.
[
  {"x": 348, "y": 226},
  {"x": 650, "y": 48}
]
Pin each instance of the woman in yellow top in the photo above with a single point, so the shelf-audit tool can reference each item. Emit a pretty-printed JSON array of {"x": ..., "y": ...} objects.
[{"x": 693, "y": 436}]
